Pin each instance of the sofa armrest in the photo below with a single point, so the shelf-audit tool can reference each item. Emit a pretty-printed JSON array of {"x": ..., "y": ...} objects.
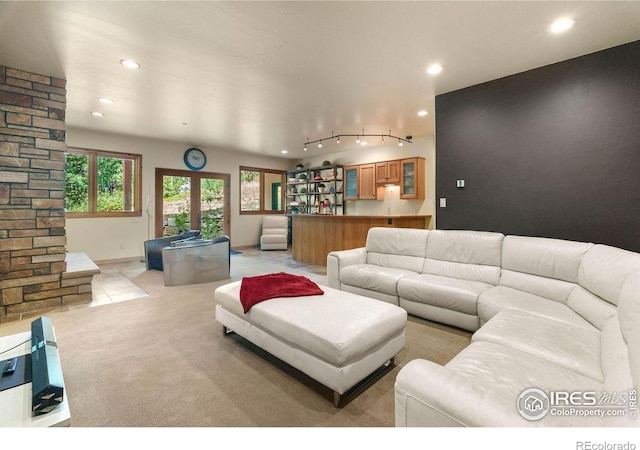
[
  {"x": 338, "y": 260},
  {"x": 430, "y": 395}
]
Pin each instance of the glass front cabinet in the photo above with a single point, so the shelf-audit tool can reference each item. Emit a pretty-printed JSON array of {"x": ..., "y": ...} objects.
[{"x": 412, "y": 178}]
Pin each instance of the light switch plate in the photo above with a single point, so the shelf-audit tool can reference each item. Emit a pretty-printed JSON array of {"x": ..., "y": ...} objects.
[
  {"x": 460, "y": 183},
  {"x": 443, "y": 202}
]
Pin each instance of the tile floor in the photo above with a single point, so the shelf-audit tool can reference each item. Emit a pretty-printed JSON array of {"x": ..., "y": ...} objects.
[{"x": 113, "y": 283}]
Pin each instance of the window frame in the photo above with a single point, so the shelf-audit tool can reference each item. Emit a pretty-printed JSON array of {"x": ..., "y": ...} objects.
[
  {"x": 262, "y": 171},
  {"x": 136, "y": 174}
]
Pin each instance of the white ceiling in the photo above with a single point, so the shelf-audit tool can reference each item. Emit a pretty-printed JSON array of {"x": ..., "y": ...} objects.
[{"x": 266, "y": 76}]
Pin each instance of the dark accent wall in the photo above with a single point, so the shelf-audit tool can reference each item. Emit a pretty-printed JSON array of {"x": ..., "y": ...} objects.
[{"x": 551, "y": 152}]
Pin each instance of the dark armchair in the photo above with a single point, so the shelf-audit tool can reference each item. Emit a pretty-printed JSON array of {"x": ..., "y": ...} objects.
[{"x": 153, "y": 247}]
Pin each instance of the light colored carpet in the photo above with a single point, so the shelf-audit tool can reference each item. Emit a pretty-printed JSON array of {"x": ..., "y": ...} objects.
[{"x": 162, "y": 361}]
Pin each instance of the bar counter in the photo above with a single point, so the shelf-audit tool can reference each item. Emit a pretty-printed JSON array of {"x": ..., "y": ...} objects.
[{"x": 315, "y": 235}]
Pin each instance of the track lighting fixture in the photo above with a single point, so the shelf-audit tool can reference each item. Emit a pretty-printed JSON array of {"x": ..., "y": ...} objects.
[{"x": 358, "y": 137}]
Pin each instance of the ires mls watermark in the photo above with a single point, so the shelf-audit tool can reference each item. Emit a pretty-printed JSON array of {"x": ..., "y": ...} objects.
[{"x": 534, "y": 404}]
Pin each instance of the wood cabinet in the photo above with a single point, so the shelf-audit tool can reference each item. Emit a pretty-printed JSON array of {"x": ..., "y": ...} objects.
[
  {"x": 388, "y": 172},
  {"x": 367, "y": 182},
  {"x": 412, "y": 181}
]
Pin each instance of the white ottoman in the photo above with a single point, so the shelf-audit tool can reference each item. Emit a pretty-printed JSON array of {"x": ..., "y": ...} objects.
[{"x": 338, "y": 338}]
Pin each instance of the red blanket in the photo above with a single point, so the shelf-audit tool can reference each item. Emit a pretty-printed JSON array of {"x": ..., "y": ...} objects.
[{"x": 263, "y": 287}]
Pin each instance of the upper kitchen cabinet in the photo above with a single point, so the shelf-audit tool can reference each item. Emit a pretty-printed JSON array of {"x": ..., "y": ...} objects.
[{"x": 412, "y": 182}]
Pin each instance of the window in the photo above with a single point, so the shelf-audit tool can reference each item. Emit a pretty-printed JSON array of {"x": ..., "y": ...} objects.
[
  {"x": 102, "y": 184},
  {"x": 260, "y": 190}
]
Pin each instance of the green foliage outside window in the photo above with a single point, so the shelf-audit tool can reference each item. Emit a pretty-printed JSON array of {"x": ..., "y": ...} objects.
[
  {"x": 77, "y": 182},
  {"x": 108, "y": 183}
]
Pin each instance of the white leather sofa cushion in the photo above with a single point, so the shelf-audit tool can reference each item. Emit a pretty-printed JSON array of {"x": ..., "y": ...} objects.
[
  {"x": 480, "y": 387},
  {"x": 629, "y": 320},
  {"x": 472, "y": 272},
  {"x": 604, "y": 270},
  {"x": 373, "y": 277},
  {"x": 471, "y": 247},
  {"x": 545, "y": 257},
  {"x": 397, "y": 241},
  {"x": 573, "y": 347},
  {"x": 298, "y": 320},
  {"x": 615, "y": 358},
  {"x": 511, "y": 371},
  {"x": 397, "y": 248},
  {"x": 385, "y": 260},
  {"x": 450, "y": 293},
  {"x": 590, "y": 306},
  {"x": 467, "y": 255},
  {"x": 557, "y": 290},
  {"x": 498, "y": 298}
]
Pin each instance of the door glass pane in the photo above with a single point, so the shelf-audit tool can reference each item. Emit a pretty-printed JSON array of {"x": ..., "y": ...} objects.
[
  {"x": 176, "y": 205},
  {"x": 408, "y": 178},
  {"x": 211, "y": 207},
  {"x": 352, "y": 183}
]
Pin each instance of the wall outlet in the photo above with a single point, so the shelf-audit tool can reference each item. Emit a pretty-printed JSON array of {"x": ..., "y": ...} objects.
[
  {"x": 443, "y": 202},
  {"x": 460, "y": 183}
]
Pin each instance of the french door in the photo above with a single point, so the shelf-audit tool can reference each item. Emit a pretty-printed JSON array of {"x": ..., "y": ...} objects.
[{"x": 188, "y": 200}]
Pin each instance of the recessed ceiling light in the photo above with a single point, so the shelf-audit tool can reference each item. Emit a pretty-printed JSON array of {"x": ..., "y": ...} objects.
[
  {"x": 434, "y": 69},
  {"x": 561, "y": 25},
  {"x": 107, "y": 101},
  {"x": 97, "y": 114},
  {"x": 284, "y": 151},
  {"x": 129, "y": 64},
  {"x": 422, "y": 113}
]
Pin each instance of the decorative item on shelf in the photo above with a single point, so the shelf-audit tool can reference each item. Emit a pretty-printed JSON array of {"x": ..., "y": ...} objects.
[
  {"x": 317, "y": 178},
  {"x": 321, "y": 187},
  {"x": 326, "y": 163},
  {"x": 302, "y": 176},
  {"x": 332, "y": 190},
  {"x": 303, "y": 190},
  {"x": 292, "y": 179},
  {"x": 300, "y": 166}
]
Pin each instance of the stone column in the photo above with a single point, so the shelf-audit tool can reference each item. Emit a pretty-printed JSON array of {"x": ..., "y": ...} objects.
[{"x": 32, "y": 193}]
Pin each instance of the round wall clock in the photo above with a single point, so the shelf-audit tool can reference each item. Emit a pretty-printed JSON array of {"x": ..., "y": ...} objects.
[{"x": 194, "y": 158}]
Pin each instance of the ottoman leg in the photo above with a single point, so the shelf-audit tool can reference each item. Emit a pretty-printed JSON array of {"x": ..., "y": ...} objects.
[{"x": 336, "y": 399}]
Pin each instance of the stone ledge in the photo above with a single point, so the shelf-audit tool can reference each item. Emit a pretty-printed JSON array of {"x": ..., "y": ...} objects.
[{"x": 79, "y": 265}]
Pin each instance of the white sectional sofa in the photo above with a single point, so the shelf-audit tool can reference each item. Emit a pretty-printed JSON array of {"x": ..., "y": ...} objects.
[{"x": 550, "y": 315}]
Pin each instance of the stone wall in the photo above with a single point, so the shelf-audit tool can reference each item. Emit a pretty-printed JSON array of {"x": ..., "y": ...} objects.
[{"x": 32, "y": 193}]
